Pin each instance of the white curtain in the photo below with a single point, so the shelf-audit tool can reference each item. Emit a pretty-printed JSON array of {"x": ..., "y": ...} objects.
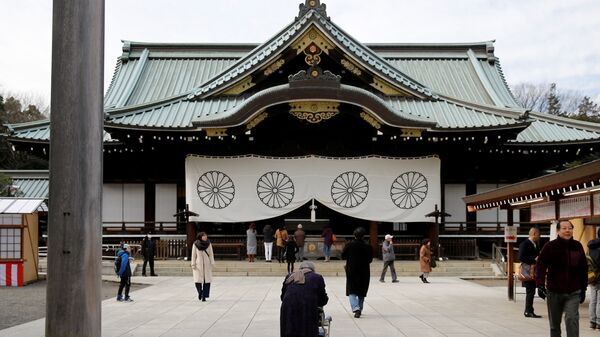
[{"x": 249, "y": 188}]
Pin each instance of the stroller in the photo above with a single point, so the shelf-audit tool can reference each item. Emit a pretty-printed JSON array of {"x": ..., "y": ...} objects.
[{"x": 324, "y": 323}]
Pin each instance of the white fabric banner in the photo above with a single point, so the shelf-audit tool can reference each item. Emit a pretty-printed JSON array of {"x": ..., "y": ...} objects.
[{"x": 250, "y": 188}]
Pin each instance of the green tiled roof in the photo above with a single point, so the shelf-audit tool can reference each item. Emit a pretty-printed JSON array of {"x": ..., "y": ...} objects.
[
  {"x": 36, "y": 131},
  {"x": 31, "y": 184},
  {"x": 554, "y": 129},
  {"x": 463, "y": 85}
]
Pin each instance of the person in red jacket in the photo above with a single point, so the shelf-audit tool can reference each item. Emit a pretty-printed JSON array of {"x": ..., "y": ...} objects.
[{"x": 562, "y": 279}]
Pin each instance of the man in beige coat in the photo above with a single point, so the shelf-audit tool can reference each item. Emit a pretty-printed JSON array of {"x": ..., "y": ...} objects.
[{"x": 203, "y": 261}]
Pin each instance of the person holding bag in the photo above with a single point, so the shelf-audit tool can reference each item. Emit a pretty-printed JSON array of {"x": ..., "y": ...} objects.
[
  {"x": 203, "y": 261},
  {"x": 528, "y": 253},
  {"x": 425, "y": 260}
]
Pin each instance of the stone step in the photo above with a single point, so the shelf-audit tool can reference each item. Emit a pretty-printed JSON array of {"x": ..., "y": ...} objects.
[{"x": 477, "y": 269}]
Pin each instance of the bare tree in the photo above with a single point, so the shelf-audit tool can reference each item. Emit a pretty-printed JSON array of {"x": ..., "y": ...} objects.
[
  {"x": 532, "y": 96},
  {"x": 547, "y": 97}
]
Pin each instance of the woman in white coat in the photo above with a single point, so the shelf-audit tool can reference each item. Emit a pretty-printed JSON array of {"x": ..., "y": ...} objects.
[{"x": 203, "y": 261}]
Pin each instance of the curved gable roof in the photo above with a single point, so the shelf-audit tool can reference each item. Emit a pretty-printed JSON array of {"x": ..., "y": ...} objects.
[{"x": 266, "y": 52}]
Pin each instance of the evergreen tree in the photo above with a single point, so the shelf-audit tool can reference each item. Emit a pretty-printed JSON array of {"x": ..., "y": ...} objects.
[
  {"x": 11, "y": 112},
  {"x": 554, "y": 106},
  {"x": 588, "y": 110}
]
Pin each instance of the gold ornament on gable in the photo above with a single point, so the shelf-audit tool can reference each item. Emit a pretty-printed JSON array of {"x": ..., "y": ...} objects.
[
  {"x": 274, "y": 66},
  {"x": 370, "y": 119},
  {"x": 259, "y": 118},
  {"x": 315, "y": 37},
  {"x": 314, "y": 112}
]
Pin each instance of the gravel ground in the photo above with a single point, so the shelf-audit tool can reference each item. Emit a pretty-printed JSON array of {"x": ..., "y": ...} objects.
[{"x": 28, "y": 303}]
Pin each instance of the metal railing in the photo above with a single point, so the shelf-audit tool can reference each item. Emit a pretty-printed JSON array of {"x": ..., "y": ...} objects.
[{"x": 498, "y": 257}]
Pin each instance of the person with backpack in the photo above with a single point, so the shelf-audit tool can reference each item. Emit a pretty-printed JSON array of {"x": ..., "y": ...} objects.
[
  {"x": 124, "y": 273},
  {"x": 593, "y": 263},
  {"x": 203, "y": 261}
]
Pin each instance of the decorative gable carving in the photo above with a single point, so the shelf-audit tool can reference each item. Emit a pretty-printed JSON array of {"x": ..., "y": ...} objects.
[{"x": 313, "y": 36}]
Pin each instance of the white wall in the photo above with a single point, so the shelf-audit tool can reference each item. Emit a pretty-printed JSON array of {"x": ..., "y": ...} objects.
[
  {"x": 123, "y": 202},
  {"x": 166, "y": 203},
  {"x": 495, "y": 214},
  {"x": 454, "y": 204}
]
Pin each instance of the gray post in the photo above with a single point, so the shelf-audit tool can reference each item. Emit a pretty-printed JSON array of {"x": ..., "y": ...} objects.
[{"x": 74, "y": 224}]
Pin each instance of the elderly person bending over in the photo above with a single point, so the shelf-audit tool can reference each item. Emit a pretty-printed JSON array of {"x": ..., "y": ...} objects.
[{"x": 302, "y": 294}]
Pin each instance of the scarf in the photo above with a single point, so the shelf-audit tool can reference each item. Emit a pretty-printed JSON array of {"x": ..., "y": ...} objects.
[
  {"x": 297, "y": 277},
  {"x": 202, "y": 245}
]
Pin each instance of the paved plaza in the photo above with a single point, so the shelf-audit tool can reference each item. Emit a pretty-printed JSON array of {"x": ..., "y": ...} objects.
[{"x": 249, "y": 307}]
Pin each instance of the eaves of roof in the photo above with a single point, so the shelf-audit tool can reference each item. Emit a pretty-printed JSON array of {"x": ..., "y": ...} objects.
[{"x": 585, "y": 173}]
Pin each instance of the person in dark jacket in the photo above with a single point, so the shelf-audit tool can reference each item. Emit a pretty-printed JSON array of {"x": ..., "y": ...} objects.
[
  {"x": 290, "y": 253},
  {"x": 528, "y": 253},
  {"x": 125, "y": 274},
  {"x": 268, "y": 242},
  {"x": 327, "y": 242},
  {"x": 562, "y": 279},
  {"x": 594, "y": 307},
  {"x": 302, "y": 294},
  {"x": 358, "y": 255},
  {"x": 300, "y": 236},
  {"x": 148, "y": 251}
]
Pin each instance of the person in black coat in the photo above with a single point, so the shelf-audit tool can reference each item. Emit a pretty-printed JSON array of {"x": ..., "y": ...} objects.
[
  {"x": 302, "y": 294},
  {"x": 289, "y": 253},
  {"x": 358, "y": 255},
  {"x": 528, "y": 252},
  {"x": 148, "y": 251}
]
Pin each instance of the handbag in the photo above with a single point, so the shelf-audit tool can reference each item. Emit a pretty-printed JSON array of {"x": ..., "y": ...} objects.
[
  {"x": 432, "y": 263},
  {"x": 526, "y": 272}
]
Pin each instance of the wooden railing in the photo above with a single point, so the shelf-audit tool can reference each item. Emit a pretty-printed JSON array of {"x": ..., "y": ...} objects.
[{"x": 459, "y": 248}]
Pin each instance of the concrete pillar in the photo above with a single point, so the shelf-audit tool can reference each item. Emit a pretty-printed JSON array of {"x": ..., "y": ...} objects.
[{"x": 73, "y": 293}]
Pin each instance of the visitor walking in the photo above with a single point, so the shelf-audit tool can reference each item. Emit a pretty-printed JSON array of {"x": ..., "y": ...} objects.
[
  {"x": 388, "y": 256},
  {"x": 528, "y": 254},
  {"x": 203, "y": 261},
  {"x": 148, "y": 251},
  {"x": 358, "y": 255},
  {"x": 125, "y": 274},
  {"x": 594, "y": 306},
  {"x": 562, "y": 279},
  {"x": 425, "y": 260}
]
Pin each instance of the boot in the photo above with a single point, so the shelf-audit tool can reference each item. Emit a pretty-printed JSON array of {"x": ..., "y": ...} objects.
[{"x": 199, "y": 289}]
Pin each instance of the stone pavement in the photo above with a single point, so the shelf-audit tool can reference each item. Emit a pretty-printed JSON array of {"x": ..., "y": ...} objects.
[{"x": 249, "y": 307}]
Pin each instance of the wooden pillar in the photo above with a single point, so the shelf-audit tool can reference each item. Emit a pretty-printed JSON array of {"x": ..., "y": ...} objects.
[
  {"x": 73, "y": 292},
  {"x": 190, "y": 231},
  {"x": 373, "y": 237},
  {"x": 149, "y": 207},
  {"x": 510, "y": 258}
]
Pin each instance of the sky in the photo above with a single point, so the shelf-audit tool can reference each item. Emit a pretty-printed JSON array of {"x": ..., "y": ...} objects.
[{"x": 537, "y": 41}]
